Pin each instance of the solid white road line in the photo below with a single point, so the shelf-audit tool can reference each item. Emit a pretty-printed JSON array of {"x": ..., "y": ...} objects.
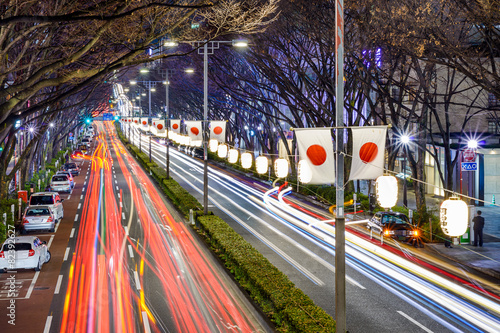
[
  {"x": 66, "y": 254},
  {"x": 415, "y": 322},
  {"x": 58, "y": 285},
  {"x": 32, "y": 285},
  {"x": 137, "y": 281},
  {"x": 130, "y": 251},
  {"x": 47, "y": 324},
  {"x": 145, "y": 319},
  {"x": 50, "y": 241}
]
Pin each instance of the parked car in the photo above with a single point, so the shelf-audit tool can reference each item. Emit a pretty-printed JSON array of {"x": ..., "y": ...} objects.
[
  {"x": 77, "y": 155},
  {"x": 70, "y": 177},
  {"x": 24, "y": 252},
  {"x": 197, "y": 152},
  {"x": 38, "y": 218},
  {"x": 393, "y": 224},
  {"x": 52, "y": 200},
  {"x": 85, "y": 141},
  {"x": 60, "y": 183},
  {"x": 72, "y": 167},
  {"x": 83, "y": 148}
]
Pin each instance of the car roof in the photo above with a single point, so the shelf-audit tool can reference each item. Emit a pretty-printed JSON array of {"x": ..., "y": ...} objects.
[
  {"x": 44, "y": 193},
  {"x": 25, "y": 239},
  {"x": 38, "y": 207}
]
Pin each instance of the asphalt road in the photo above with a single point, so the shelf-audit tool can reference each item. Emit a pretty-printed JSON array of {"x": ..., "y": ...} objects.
[
  {"x": 126, "y": 262},
  {"x": 389, "y": 287}
]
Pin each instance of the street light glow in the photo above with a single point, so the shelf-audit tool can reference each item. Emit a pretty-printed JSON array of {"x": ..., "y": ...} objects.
[
  {"x": 240, "y": 43},
  {"x": 170, "y": 43},
  {"x": 51, "y": 124},
  {"x": 143, "y": 70},
  {"x": 189, "y": 70},
  {"x": 132, "y": 82},
  {"x": 472, "y": 144},
  {"x": 405, "y": 138}
]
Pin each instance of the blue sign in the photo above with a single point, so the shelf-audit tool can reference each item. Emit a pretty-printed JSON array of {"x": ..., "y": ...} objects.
[
  {"x": 469, "y": 166},
  {"x": 107, "y": 116}
]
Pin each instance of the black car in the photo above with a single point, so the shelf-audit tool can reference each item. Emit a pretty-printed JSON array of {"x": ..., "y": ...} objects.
[
  {"x": 73, "y": 168},
  {"x": 394, "y": 225}
]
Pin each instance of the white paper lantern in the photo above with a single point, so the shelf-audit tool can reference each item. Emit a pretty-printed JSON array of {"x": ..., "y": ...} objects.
[
  {"x": 246, "y": 160},
  {"x": 232, "y": 156},
  {"x": 261, "y": 164},
  {"x": 454, "y": 217},
  {"x": 281, "y": 168},
  {"x": 222, "y": 151},
  {"x": 387, "y": 191},
  {"x": 197, "y": 143},
  {"x": 304, "y": 172},
  {"x": 212, "y": 145}
]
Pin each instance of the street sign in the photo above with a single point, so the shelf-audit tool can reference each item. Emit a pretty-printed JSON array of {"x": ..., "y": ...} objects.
[
  {"x": 469, "y": 155},
  {"x": 107, "y": 116},
  {"x": 469, "y": 166},
  {"x": 70, "y": 134}
]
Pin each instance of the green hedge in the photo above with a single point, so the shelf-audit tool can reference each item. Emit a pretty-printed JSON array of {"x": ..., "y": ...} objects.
[{"x": 287, "y": 306}]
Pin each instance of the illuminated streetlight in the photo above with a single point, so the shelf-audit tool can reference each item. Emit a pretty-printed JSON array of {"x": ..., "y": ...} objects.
[{"x": 472, "y": 144}]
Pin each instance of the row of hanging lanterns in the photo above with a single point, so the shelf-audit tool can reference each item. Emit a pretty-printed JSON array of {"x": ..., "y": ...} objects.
[{"x": 453, "y": 212}]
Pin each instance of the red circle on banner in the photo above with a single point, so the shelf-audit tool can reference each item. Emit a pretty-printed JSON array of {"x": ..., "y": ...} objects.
[
  {"x": 368, "y": 152},
  {"x": 175, "y": 126},
  {"x": 144, "y": 122},
  {"x": 159, "y": 126},
  {"x": 135, "y": 121},
  {"x": 316, "y": 154},
  {"x": 217, "y": 130},
  {"x": 154, "y": 122},
  {"x": 195, "y": 130}
]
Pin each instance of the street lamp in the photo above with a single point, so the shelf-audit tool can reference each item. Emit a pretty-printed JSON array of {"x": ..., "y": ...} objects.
[
  {"x": 208, "y": 48},
  {"x": 405, "y": 140}
]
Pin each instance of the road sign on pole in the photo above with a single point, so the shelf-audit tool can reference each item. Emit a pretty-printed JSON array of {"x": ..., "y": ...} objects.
[
  {"x": 469, "y": 155},
  {"x": 469, "y": 166}
]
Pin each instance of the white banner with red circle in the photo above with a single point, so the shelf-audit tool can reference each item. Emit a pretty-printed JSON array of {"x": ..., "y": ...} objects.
[
  {"x": 368, "y": 152},
  {"x": 316, "y": 147},
  {"x": 218, "y": 131}
]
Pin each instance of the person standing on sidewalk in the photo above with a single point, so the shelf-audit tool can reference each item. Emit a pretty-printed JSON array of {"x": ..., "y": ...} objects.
[{"x": 478, "y": 229}]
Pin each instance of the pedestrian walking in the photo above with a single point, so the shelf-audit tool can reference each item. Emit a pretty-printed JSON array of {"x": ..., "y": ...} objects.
[{"x": 478, "y": 229}]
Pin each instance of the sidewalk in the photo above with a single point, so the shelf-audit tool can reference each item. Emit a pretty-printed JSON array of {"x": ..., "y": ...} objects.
[{"x": 485, "y": 259}]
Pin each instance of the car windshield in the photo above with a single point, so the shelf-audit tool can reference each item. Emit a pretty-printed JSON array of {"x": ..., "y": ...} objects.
[
  {"x": 59, "y": 178},
  {"x": 41, "y": 200},
  {"x": 401, "y": 219},
  {"x": 17, "y": 247},
  {"x": 37, "y": 212},
  {"x": 70, "y": 165}
]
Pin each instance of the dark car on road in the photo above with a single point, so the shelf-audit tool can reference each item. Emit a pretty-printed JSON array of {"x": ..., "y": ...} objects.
[
  {"x": 394, "y": 225},
  {"x": 72, "y": 167}
]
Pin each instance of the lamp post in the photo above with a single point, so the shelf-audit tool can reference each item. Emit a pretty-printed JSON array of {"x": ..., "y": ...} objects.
[
  {"x": 208, "y": 48},
  {"x": 405, "y": 140},
  {"x": 150, "y": 85}
]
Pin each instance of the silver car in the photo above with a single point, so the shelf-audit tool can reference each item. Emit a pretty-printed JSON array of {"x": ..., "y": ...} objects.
[
  {"x": 70, "y": 177},
  {"x": 38, "y": 218},
  {"x": 27, "y": 252},
  {"x": 60, "y": 183}
]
